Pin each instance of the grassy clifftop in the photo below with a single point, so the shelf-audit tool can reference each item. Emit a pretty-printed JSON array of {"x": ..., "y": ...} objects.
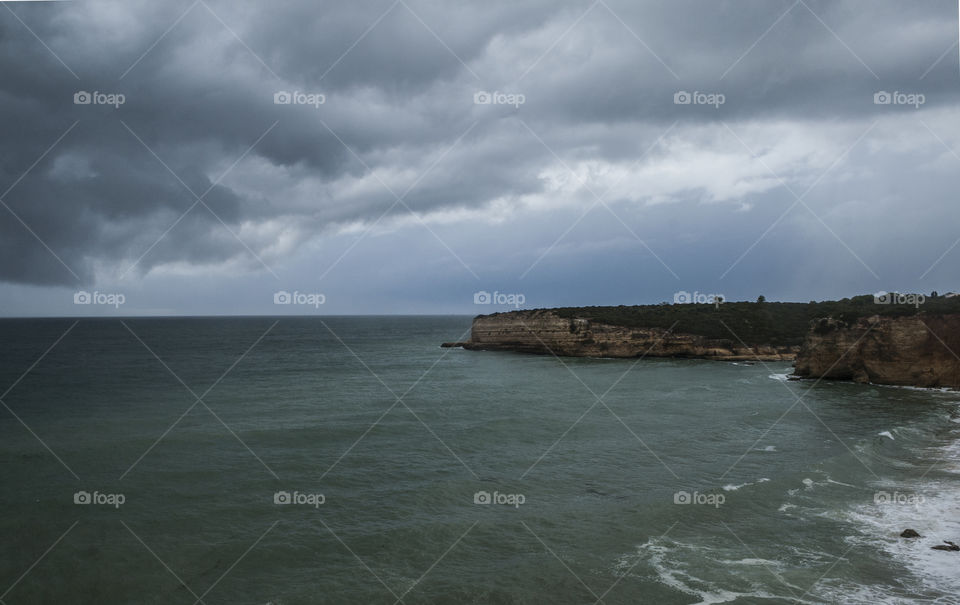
[{"x": 775, "y": 323}]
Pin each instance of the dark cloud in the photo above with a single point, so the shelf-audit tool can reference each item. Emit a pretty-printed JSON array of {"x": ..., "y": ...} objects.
[{"x": 598, "y": 80}]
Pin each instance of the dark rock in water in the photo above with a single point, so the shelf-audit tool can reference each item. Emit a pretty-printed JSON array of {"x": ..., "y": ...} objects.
[
  {"x": 947, "y": 545},
  {"x": 452, "y": 345},
  {"x": 910, "y": 533}
]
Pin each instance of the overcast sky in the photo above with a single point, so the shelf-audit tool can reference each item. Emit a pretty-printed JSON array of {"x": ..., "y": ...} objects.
[{"x": 574, "y": 153}]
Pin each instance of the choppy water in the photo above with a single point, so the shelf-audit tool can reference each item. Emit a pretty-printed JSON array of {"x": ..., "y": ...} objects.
[{"x": 782, "y": 495}]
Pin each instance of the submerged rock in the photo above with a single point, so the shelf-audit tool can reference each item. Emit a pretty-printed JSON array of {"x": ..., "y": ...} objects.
[
  {"x": 910, "y": 533},
  {"x": 947, "y": 545}
]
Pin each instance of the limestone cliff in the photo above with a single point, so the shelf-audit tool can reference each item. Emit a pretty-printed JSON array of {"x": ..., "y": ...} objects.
[
  {"x": 902, "y": 348},
  {"x": 916, "y": 350},
  {"x": 545, "y": 332}
]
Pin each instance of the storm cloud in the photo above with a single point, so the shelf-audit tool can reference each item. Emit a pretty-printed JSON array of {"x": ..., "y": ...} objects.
[{"x": 582, "y": 152}]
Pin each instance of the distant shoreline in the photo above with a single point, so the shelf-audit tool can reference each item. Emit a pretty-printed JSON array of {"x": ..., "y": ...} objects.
[{"x": 859, "y": 339}]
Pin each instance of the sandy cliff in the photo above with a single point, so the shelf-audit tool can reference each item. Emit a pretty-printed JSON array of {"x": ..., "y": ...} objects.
[
  {"x": 916, "y": 350},
  {"x": 544, "y": 332}
]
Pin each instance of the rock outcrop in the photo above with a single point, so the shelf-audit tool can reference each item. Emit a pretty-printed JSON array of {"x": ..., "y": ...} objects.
[
  {"x": 915, "y": 350},
  {"x": 919, "y": 349},
  {"x": 545, "y": 332}
]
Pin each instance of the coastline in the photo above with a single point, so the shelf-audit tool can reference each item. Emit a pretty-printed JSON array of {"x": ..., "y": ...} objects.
[{"x": 915, "y": 349}]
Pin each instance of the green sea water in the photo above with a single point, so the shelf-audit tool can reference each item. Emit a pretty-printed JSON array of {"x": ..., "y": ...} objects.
[{"x": 352, "y": 460}]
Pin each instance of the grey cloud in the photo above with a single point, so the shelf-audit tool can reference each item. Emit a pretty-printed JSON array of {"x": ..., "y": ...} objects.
[{"x": 399, "y": 99}]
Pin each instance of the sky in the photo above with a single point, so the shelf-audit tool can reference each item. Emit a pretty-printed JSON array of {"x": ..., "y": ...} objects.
[{"x": 419, "y": 157}]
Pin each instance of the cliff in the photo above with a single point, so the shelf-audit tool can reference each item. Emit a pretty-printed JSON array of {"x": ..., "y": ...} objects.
[
  {"x": 917, "y": 350},
  {"x": 546, "y": 332},
  {"x": 864, "y": 338}
]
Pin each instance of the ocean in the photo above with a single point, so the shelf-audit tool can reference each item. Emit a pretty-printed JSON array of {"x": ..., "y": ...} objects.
[{"x": 352, "y": 460}]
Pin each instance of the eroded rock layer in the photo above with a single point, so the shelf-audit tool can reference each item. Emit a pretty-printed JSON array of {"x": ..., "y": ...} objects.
[
  {"x": 917, "y": 350},
  {"x": 544, "y": 332}
]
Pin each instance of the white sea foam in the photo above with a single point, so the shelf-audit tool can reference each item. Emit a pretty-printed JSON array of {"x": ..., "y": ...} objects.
[
  {"x": 673, "y": 562},
  {"x": 732, "y": 488},
  {"x": 752, "y": 561},
  {"x": 886, "y": 434},
  {"x": 933, "y": 510},
  {"x": 947, "y": 390},
  {"x": 950, "y": 458},
  {"x": 844, "y": 591},
  {"x": 829, "y": 480},
  {"x": 937, "y": 518}
]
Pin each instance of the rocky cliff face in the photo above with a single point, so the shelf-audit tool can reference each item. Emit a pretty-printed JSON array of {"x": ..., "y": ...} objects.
[
  {"x": 544, "y": 332},
  {"x": 915, "y": 350}
]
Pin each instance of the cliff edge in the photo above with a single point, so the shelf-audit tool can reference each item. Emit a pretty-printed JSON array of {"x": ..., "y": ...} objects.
[
  {"x": 545, "y": 332},
  {"x": 864, "y": 338},
  {"x": 917, "y": 350}
]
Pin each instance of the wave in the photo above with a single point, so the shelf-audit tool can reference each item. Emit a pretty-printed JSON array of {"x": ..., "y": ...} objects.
[
  {"x": 673, "y": 563},
  {"x": 732, "y": 488},
  {"x": 855, "y": 519},
  {"x": 946, "y": 390},
  {"x": 934, "y": 514},
  {"x": 924, "y": 458}
]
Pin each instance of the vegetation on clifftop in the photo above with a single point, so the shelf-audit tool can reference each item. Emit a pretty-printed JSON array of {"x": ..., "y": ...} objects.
[{"x": 769, "y": 323}]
